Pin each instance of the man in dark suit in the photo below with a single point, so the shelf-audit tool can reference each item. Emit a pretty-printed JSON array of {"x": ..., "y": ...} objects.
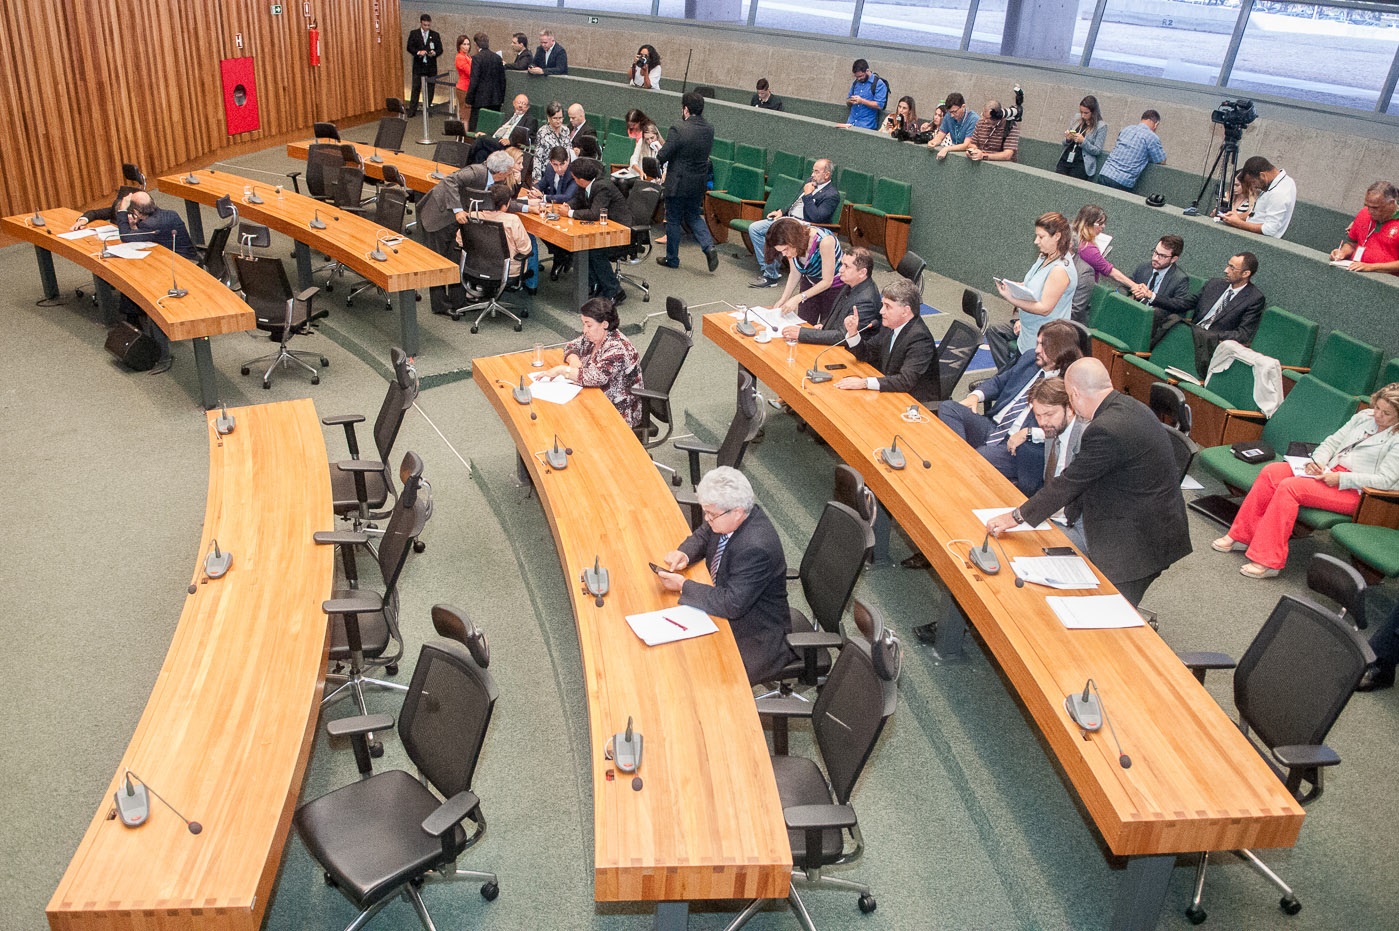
[
  {"x": 446, "y": 206},
  {"x": 745, "y": 559},
  {"x": 596, "y": 193},
  {"x": 816, "y": 204},
  {"x": 138, "y": 219},
  {"x": 519, "y": 117},
  {"x": 425, "y": 45},
  {"x": 1063, "y": 437},
  {"x": 578, "y": 124},
  {"x": 1226, "y": 308},
  {"x": 686, "y": 152},
  {"x": 903, "y": 349},
  {"x": 557, "y": 186},
  {"x": 1007, "y": 435},
  {"x": 1124, "y": 478},
  {"x": 549, "y": 56},
  {"x": 486, "y": 89},
  {"x": 519, "y": 47},
  {"x": 858, "y": 295},
  {"x": 1161, "y": 283}
]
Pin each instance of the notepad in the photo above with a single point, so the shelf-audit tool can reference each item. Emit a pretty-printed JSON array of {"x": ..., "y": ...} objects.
[
  {"x": 671, "y": 624},
  {"x": 1018, "y": 290},
  {"x": 1095, "y": 612},
  {"x": 1299, "y": 466},
  {"x": 553, "y": 390},
  {"x": 1066, "y": 572},
  {"x": 985, "y": 514}
]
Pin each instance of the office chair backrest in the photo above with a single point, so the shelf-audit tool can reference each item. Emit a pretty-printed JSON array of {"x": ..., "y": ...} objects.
[
  {"x": 744, "y": 425},
  {"x": 349, "y": 188},
  {"x": 485, "y": 257},
  {"x": 452, "y": 152},
  {"x": 254, "y": 235},
  {"x": 955, "y": 353},
  {"x": 391, "y": 207},
  {"x": 1170, "y": 406},
  {"x": 402, "y": 392},
  {"x": 851, "y": 491},
  {"x": 849, "y": 715},
  {"x": 214, "y": 262},
  {"x": 390, "y": 134},
  {"x": 885, "y": 649},
  {"x": 641, "y": 203},
  {"x": 453, "y": 623},
  {"x": 325, "y": 131},
  {"x": 1183, "y": 448},
  {"x": 446, "y": 715},
  {"x": 1297, "y": 675},
  {"x": 911, "y": 267},
  {"x": 660, "y": 366},
  {"x": 323, "y": 164},
  {"x": 454, "y": 128},
  {"x": 1340, "y": 582},
  {"x": 679, "y": 311},
  {"x": 133, "y": 175},
  {"x": 392, "y": 176},
  {"x": 396, "y": 106},
  {"x": 410, "y": 514},
  {"x": 267, "y": 289},
  {"x": 832, "y": 563},
  {"x": 973, "y": 307}
]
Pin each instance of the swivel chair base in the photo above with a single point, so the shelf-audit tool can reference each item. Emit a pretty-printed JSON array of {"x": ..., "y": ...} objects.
[
  {"x": 490, "y": 888},
  {"x": 1288, "y": 903},
  {"x": 489, "y": 308},
  {"x": 812, "y": 880},
  {"x": 284, "y": 356}
]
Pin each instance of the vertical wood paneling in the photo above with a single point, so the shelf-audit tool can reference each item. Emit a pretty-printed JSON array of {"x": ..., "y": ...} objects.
[{"x": 92, "y": 83}]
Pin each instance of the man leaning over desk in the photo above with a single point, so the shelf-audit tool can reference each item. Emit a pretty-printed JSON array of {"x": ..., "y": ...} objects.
[{"x": 445, "y": 208}]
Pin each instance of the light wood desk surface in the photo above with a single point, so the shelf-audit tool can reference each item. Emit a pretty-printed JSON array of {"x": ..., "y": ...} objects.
[
  {"x": 209, "y": 309},
  {"x": 228, "y": 729},
  {"x": 1195, "y": 782},
  {"x": 708, "y": 822}
]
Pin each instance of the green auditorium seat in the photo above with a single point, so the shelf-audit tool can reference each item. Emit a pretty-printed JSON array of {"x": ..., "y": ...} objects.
[
  {"x": 1176, "y": 350},
  {"x": 744, "y": 190},
  {"x": 785, "y": 163},
  {"x": 723, "y": 148},
  {"x": 754, "y": 156},
  {"x": 487, "y": 121},
  {"x": 1344, "y": 362},
  {"x": 1374, "y": 550},
  {"x": 780, "y": 196},
  {"x": 616, "y": 126},
  {"x": 1122, "y": 325},
  {"x": 883, "y": 224}
]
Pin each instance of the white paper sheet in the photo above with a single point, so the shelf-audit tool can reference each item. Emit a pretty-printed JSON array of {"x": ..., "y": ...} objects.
[
  {"x": 553, "y": 390},
  {"x": 985, "y": 514},
  {"x": 671, "y": 624},
  {"x": 1095, "y": 612},
  {"x": 1064, "y": 572}
]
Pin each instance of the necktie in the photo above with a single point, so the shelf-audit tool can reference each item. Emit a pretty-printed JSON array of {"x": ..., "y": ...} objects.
[
  {"x": 884, "y": 356},
  {"x": 1218, "y": 309},
  {"x": 1017, "y": 407},
  {"x": 1051, "y": 462},
  {"x": 719, "y": 555},
  {"x": 1155, "y": 280}
]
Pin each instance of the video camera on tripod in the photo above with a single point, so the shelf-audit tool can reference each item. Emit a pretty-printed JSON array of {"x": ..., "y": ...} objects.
[{"x": 1233, "y": 115}]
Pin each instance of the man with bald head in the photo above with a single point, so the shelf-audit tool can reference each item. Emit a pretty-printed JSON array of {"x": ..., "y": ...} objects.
[{"x": 1125, "y": 480}]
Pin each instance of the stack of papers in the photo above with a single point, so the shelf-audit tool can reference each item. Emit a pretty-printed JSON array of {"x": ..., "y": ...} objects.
[
  {"x": 985, "y": 514},
  {"x": 671, "y": 624},
  {"x": 130, "y": 250},
  {"x": 1095, "y": 612},
  {"x": 104, "y": 230},
  {"x": 773, "y": 318},
  {"x": 554, "y": 390},
  {"x": 1299, "y": 466},
  {"x": 1064, "y": 572}
]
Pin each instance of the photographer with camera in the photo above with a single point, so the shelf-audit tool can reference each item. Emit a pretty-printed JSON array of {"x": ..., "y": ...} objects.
[
  {"x": 646, "y": 69},
  {"x": 904, "y": 125},
  {"x": 997, "y": 134},
  {"x": 1272, "y": 207},
  {"x": 1136, "y": 146}
]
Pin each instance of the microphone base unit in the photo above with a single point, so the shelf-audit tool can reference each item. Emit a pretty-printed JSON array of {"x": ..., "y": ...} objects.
[
  {"x": 744, "y": 328},
  {"x": 378, "y": 256},
  {"x": 176, "y": 292},
  {"x": 818, "y": 377},
  {"x": 216, "y": 565},
  {"x": 254, "y": 199},
  {"x": 522, "y": 395},
  {"x": 557, "y": 459},
  {"x": 133, "y": 809},
  {"x": 37, "y": 220},
  {"x": 315, "y": 224},
  {"x": 1088, "y": 715},
  {"x": 893, "y": 458},
  {"x": 224, "y": 425},
  {"x": 191, "y": 179},
  {"x": 376, "y": 159},
  {"x": 984, "y": 558}
]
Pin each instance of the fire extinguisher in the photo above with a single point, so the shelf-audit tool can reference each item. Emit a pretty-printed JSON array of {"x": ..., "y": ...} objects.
[{"x": 314, "y": 36}]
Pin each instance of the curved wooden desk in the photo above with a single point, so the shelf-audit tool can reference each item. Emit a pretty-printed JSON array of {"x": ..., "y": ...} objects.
[
  {"x": 228, "y": 729},
  {"x": 708, "y": 823},
  {"x": 1196, "y": 783},
  {"x": 575, "y": 236},
  {"x": 347, "y": 238},
  {"x": 209, "y": 309}
]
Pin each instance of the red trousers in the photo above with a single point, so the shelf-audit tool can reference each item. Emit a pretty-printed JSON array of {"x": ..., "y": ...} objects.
[{"x": 1269, "y": 511}]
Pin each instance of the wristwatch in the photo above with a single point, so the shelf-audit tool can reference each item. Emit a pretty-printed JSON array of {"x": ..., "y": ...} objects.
[{"x": 1015, "y": 515}]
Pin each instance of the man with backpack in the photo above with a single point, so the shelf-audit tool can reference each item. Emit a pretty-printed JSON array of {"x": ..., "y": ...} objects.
[{"x": 869, "y": 95}]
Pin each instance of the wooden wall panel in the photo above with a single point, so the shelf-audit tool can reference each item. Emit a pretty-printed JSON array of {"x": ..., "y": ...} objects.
[{"x": 92, "y": 83}]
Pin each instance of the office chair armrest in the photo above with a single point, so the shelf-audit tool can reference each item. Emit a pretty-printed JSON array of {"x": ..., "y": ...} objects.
[
  {"x": 342, "y": 419},
  {"x": 650, "y": 395},
  {"x": 305, "y": 296},
  {"x": 359, "y": 465},
  {"x": 1379, "y": 507},
  {"x": 1306, "y": 756},
  {"x": 782, "y": 708},
  {"x": 901, "y": 217},
  {"x": 1201, "y": 663},
  {"x": 359, "y": 724},
  {"x": 694, "y": 445},
  {"x": 451, "y": 813},
  {"x": 819, "y": 818},
  {"x": 1302, "y": 369},
  {"x": 340, "y": 537},
  {"x": 295, "y": 185},
  {"x": 814, "y": 640},
  {"x": 362, "y": 602}
]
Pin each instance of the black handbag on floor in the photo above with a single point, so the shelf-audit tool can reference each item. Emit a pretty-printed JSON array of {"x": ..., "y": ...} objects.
[{"x": 132, "y": 348}]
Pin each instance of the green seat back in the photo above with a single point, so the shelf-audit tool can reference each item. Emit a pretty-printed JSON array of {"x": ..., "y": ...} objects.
[
  {"x": 488, "y": 121},
  {"x": 722, "y": 167},
  {"x": 856, "y": 187},
  {"x": 1100, "y": 294},
  {"x": 723, "y": 148},
  {"x": 1389, "y": 374},
  {"x": 893, "y": 196},
  {"x": 1286, "y": 337},
  {"x": 1346, "y": 363},
  {"x": 1196, "y": 283},
  {"x": 1231, "y": 389},
  {"x": 785, "y": 163},
  {"x": 754, "y": 156},
  {"x": 617, "y": 150},
  {"x": 1127, "y": 322},
  {"x": 1374, "y": 546},
  {"x": 745, "y": 183},
  {"x": 784, "y": 190},
  {"x": 1310, "y": 413},
  {"x": 536, "y": 110},
  {"x": 1177, "y": 348},
  {"x": 616, "y": 126},
  {"x": 840, "y": 205},
  {"x": 808, "y": 164}
]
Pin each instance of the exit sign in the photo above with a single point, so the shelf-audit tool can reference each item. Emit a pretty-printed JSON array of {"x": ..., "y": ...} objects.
[{"x": 276, "y": 9}]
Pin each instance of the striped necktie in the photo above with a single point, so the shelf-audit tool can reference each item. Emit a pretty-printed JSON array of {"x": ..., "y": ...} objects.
[
  {"x": 719, "y": 555},
  {"x": 1017, "y": 407}
]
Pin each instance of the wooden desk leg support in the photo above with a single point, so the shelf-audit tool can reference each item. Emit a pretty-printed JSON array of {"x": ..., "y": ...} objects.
[
  {"x": 303, "y": 269},
  {"x": 47, "y": 278},
  {"x": 408, "y": 321},
  {"x": 1142, "y": 893},
  {"x": 672, "y": 916},
  {"x": 580, "y": 278}
]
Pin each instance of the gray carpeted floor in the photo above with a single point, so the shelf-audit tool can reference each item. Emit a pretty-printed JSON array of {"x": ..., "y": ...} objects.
[{"x": 968, "y": 824}]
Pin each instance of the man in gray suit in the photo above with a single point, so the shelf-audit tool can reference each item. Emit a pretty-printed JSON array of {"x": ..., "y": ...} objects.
[
  {"x": 1161, "y": 283},
  {"x": 859, "y": 295},
  {"x": 445, "y": 208}
]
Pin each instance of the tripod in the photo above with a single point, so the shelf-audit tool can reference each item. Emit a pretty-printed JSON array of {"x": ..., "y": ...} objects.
[{"x": 1226, "y": 164}]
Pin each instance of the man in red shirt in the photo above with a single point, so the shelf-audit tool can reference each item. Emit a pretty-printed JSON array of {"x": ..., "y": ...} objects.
[{"x": 1372, "y": 241}]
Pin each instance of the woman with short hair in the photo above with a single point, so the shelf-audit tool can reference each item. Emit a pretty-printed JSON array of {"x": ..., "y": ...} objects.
[{"x": 603, "y": 358}]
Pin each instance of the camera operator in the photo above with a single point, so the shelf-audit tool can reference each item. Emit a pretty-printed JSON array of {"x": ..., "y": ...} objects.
[
  {"x": 996, "y": 137},
  {"x": 905, "y": 126},
  {"x": 646, "y": 69},
  {"x": 1272, "y": 207}
]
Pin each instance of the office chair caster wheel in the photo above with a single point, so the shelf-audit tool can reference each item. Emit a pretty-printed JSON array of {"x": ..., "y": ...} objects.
[
  {"x": 391, "y": 669},
  {"x": 1289, "y": 905},
  {"x": 416, "y": 297},
  {"x": 645, "y": 298},
  {"x": 244, "y": 370},
  {"x": 267, "y": 383},
  {"x": 315, "y": 380},
  {"x": 867, "y": 903},
  {"x": 417, "y": 882},
  {"x": 376, "y": 749},
  {"x": 519, "y": 327},
  {"x": 329, "y": 287},
  {"x": 325, "y": 363},
  {"x": 419, "y": 546},
  {"x": 330, "y": 881},
  {"x": 524, "y": 314},
  {"x": 489, "y": 891},
  {"x": 1196, "y": 915},
  {"x": 475, "y": 328}
]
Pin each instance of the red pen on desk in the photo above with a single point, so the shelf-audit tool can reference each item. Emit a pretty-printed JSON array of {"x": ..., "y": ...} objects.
[{"x": 677, "y": 624}]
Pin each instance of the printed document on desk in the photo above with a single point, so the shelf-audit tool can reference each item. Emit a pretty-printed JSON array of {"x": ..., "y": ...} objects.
[
  {"x": 1095, "y": 612},
  {"x": 554, "y": 390},
  {"x": 671, "y": 624},
  {"x": 771, "y": 316},
  {"x": 1066, "y": 572},
  {"x": 985, "y": 514}
]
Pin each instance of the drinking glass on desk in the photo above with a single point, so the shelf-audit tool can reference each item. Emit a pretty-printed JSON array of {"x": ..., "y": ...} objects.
[
  {"x": 538, "y": 356},
  {"x": 248, "y": 192},
  {"x": 791, "y": 351},
  {"x": 602, "y": 216}
]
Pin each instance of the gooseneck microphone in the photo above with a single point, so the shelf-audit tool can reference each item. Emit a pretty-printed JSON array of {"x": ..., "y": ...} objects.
[
  {"x": 1088, "y": 712},
  {"x": 744, "y": 326},
  {"x": 175, "y": 289},
  {"x": 218, "y": 562},
  {"x": 253, "y": 197},
  {"x": 894, "y": 458},
  {"x": 815, "y": 375},
  {"x": 376, "y": 158},
  {"x": 437, "y": 174},
  {"x": 316, "y": 222},
  {"x": 558, "y": 456},
  {"x": 133, "y": 807},
  {"x": 984, "y": 558},
  {"x": 38, "y": 220},
  {"x": 225, "y": 424},
  {"x": 597, "y": 581},
  {"x": 378, "y": 253},
  {"x": 520, "y": 392}
]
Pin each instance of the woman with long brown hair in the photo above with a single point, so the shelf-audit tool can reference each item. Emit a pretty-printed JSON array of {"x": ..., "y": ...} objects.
[{"x": 814, "y": 255}]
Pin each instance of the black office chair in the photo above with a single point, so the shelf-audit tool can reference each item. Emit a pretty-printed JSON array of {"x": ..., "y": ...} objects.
[
  {"x": 705, "y": 90},
  {"x": 641, "y": 202},
  {"x": 323, "y": 164},
  {"x": 133, "y": 175},
  {"x": 389, "y": 135},
  {"x": 397, "y": 107},
  {"x": 390, "y": 213},
  {"x": 749, "y": 416},
  {"x": 1085, "y": 338},
  {"x": 485, "y": 267},
  {"x": 974, "y": 307},
  {"x": 454, "y": 128},
  {"x": 1169, "y": 405},
  {"x": 850, "y": 490},
  {"x": 660, "y": 367},
  {"x": 1291, "y": 685},
  {"x": 325, "y": 131},
  {"x": 676, "y": 309},
  {"x": 1342, "y": 583},
  {"x": 911, "y": 266},
  {"x": 831, "y": 565},
  {"x": 380, "y": 837},
  {"x": 363, "y": 623},
  {"x": 359, "y": 488},
  {"x": 452, "y": 152},
  {"x": 955, "y": 353},
  {"x": 280, "y": 311},
  {"x": 214, "y": 261},
  {"x": 846, "y": 720}
]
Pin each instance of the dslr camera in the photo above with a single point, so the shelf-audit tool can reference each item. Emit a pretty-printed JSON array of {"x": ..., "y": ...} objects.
[
  {"x": 643, "y": 61},
  {"x": 1011, "y": 114}
]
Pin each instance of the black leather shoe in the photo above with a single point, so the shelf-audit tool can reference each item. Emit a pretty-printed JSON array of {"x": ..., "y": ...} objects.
[
  {"x": 762, "y": 281},
  {"x": 556, "y": 271},
  {"x": 618, "y": 298},
  {"x": 662, "y": 260},
  {"x": 927, "y": 633},
  {"x": 916, "y": 561},
  {"x": 1376, "y": 678},
  {"x": 712, "y": 257}
]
